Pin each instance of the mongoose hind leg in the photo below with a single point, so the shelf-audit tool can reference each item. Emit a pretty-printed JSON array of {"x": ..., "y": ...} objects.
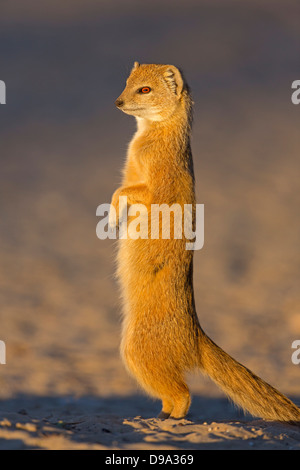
[
  {"x": 182, "y": 403},
  {"x": 167, "y": 408},
  {"x": 159, "y": 379},
  {"x": 177, "y": 406}
]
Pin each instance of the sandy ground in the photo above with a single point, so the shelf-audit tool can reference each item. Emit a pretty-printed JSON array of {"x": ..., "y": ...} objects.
[
  {"x": 99, "y": 424},
  {"x": 64, "y": 385}
]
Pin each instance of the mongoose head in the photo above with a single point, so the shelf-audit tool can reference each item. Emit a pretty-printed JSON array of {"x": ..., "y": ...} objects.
[{"x": 152, "y": 92}]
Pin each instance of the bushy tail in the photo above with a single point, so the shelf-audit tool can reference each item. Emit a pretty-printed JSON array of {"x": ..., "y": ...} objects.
[{"x": 243, "y": 387}]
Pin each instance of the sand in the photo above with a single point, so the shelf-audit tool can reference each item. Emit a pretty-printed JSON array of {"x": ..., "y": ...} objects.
[{"x": 99, "y": 424}]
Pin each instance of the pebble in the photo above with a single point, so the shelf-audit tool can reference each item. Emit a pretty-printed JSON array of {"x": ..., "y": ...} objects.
[
  {"x": 27, "y": 426},
  {"x": 5, "y": 422}
]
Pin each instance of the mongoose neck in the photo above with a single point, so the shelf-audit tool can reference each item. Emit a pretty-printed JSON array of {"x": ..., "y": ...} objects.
[{"x": 175, "y": 128}]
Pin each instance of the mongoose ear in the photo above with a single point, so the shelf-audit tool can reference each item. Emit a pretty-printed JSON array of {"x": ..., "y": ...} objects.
[
  {"x": 174, "y": 79},
  {"x": 135, "y": 65}
]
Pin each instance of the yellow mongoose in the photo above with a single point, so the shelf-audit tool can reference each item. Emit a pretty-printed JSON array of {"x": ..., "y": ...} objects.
[{"x": 162, "y": 338}]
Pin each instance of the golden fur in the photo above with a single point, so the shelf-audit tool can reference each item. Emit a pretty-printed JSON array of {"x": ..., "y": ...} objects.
[{"x": 162, "y": 338}]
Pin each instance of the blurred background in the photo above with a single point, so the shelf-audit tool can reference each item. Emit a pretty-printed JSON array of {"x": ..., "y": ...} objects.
[{"x": 62, "y": 147}]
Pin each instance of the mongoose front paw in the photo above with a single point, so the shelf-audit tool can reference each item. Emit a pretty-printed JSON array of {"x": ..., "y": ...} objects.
[
  {"x": 117, "y": 209},
  {"x": 112, "y": 219}
]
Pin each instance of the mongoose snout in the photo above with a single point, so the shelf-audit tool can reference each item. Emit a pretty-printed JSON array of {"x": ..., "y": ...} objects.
[{"x": 119, "y": 103}]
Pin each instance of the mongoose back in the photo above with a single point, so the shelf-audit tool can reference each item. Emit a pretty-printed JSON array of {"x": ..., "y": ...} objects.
[{"x": 161, "y": 336}]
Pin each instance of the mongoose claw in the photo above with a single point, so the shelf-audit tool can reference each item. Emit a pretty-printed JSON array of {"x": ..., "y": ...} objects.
[{"x": 163, "y": 415}]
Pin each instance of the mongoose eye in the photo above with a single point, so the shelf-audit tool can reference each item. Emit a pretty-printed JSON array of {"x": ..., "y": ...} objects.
[{"x": 145, "y": 90}]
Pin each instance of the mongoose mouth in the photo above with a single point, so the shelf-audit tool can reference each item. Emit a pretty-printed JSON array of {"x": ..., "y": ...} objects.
[{"x": 131, "y": 109}]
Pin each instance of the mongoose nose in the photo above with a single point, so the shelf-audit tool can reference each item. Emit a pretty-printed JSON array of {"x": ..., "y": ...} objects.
[{"x": 119, "y": 103}]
